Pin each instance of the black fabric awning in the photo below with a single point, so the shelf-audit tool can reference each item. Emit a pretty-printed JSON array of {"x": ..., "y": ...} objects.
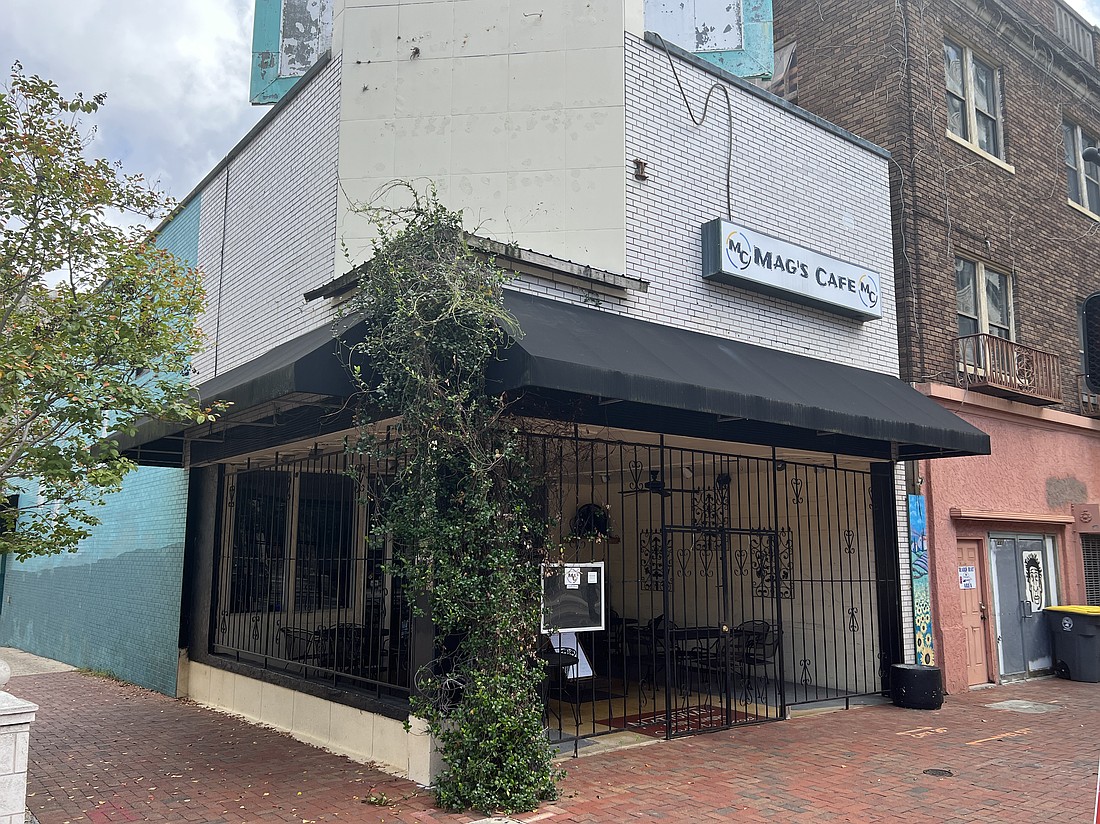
[
  {"x": 310, "y": 364},
  {"x": 581, "y": 364},
  {"x": 582, "y": 351}
]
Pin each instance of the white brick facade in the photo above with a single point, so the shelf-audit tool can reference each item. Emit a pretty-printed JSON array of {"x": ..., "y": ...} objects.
[
  {"x": 283, "y": 215},
  {"x": 790, "y": 179},
  {"x": 279, "y": 235}
]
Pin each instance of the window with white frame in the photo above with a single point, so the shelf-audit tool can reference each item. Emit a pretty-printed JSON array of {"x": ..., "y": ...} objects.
[
  {"x": 973, "y": 98},
  {"x": 983, "y": 300},
  {"x": 1082, "y": 178}
]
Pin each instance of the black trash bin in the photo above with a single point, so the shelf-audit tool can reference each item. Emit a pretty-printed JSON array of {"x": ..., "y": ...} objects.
[
  {"x": 1075, "y": 633},
  {"x": 916, "y": 687}
]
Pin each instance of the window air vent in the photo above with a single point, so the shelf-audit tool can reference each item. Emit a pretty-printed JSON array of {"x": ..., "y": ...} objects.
[{"x": 1090, "y": 551}]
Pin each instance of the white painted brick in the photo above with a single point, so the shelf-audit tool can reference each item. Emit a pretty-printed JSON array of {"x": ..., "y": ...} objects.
[
  {"x": 280, "y": 230},
  {"x": 790, "y": 179}
]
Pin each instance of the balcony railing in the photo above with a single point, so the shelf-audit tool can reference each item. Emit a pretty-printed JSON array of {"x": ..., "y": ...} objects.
[
  {"x": 1090, "y": 401},
  {"x": 995, "y": 366},
  {"x": 1074, "y": 30}
]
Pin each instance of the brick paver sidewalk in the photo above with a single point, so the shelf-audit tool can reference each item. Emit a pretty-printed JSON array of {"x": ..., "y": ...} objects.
[{"x": 103, "y": 751}]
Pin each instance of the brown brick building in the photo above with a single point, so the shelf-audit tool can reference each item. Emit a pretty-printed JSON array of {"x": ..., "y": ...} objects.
[{"x": 985, "y": 108}]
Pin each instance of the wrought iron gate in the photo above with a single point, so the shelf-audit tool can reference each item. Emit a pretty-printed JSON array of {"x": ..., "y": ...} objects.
[
  {"x": 738, "y": 585},
  {"x": 724, "y": 663}
]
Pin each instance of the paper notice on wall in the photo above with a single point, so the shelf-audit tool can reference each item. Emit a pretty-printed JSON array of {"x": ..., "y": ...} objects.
[{"x": 968, "y": 578}]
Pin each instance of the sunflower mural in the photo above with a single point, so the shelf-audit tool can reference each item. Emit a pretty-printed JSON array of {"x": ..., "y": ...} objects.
[{"x": 918, "y": 565}]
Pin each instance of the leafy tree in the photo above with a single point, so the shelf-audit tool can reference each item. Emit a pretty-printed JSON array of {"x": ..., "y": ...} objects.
[{"x": 97, "y": 325}]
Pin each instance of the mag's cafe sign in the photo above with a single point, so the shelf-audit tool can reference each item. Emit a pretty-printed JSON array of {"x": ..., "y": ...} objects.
[{"x": 743, "y": 257}]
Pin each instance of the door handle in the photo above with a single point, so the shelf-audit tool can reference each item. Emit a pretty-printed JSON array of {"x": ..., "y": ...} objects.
[{"x": 981, "y": 610}]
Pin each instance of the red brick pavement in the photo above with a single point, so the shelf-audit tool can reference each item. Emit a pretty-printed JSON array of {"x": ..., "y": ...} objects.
[{"x": 107, "y": 752}]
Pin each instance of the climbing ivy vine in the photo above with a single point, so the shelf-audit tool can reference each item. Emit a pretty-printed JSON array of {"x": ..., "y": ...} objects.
[{"x": 460, "y": 505}]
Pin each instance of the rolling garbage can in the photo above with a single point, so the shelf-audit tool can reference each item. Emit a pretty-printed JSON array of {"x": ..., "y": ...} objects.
[{"x": 1075, "y": 632}]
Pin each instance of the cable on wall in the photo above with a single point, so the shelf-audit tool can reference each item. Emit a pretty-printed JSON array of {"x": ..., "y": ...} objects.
[
  {"x": 221, "y": 273},
  {"x": 699, "y": 121}
]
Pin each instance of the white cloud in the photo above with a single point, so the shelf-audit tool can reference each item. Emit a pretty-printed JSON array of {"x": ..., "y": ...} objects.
[
  {"x": 175, "y": 74},
  {"x": 1089, "y": 9}
]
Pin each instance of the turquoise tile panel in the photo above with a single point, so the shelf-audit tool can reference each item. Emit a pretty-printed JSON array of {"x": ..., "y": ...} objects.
[
  {"x": 114, "y": 605},
  {"x": 181, "y": 234}
]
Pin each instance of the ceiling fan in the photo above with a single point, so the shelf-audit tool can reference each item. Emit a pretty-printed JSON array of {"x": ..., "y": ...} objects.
[{"x": 656, "y": 486}]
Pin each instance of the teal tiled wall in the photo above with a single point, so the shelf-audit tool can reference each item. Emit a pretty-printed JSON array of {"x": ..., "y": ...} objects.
[
  {"x": 181, "y": 234},
  {"x": 113, "y": 605}
]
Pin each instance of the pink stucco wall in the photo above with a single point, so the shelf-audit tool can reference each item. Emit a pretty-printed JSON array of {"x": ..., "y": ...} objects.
[{"x": 1042, "y": 461}]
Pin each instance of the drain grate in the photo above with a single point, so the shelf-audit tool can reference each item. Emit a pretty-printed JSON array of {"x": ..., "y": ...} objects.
[{"x": 938, "y": 773}]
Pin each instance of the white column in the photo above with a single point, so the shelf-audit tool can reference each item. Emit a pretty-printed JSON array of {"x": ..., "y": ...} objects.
[{"x": 16, "y": 717}]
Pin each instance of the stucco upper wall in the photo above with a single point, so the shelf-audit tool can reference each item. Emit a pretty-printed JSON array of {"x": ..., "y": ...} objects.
[
  {"x": 1062, "y": 466},
  {"x": 791, "y": 178},
  {"x": 513, "y": 108},
  {"x": 267, "y": 229}
]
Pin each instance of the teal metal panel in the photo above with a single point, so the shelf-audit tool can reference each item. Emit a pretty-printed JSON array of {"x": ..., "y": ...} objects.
[
  {"x": 757, "y": 56},
  {"x": 266, "y": 85},
  {"x": 735, "y": 36},
  {"x": 288, "y": 37}
]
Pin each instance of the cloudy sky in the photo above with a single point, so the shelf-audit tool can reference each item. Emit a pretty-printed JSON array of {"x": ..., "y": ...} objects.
[
  {"x": 1089, "y": 8},
  {"x": 176, "y": 74}
]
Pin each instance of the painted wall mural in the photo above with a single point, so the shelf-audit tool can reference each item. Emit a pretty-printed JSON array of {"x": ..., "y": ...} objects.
[
  {"x": 922, "y": 595},
  {"x": 1033, "y": 577}
]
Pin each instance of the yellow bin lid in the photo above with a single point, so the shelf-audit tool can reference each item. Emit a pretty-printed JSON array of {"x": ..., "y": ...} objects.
[{"x": 1076, "y": 610}]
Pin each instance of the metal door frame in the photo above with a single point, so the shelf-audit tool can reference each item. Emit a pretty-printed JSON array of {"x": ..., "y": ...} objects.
[
  {"x": 1050, "y": 561},
  {"x": 735, "y": 690}
]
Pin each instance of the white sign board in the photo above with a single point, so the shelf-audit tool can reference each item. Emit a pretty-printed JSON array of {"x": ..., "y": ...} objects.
[
  {"x": 968, "y": 579},
  {"x": 740, "y": 256}
]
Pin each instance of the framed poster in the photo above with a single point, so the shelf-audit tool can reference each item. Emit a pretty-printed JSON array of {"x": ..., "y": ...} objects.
[{"x": 573, "y": 597}]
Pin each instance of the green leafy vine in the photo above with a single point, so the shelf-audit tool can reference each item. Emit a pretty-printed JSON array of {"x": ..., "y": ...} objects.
[{"x": 461, "y": 504}]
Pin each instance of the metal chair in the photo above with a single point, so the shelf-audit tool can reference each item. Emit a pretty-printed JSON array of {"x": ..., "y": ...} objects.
[
  {"x": 558, "y": 661},
  {"x": 703, "y": 665},
  {"x": 353, "y": 649},
  {"x": 305, "y": 646},
  {"x": 652, "y": 647},
  {"x": 755, "y": 645}
]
